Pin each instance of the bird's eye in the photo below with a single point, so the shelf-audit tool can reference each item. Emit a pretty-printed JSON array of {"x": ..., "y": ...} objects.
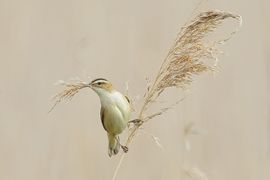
[{"x": 99, "y": 83}]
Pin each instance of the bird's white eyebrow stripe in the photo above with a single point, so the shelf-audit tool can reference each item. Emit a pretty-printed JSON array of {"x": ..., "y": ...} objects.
[{"x": 99, "y": 79}]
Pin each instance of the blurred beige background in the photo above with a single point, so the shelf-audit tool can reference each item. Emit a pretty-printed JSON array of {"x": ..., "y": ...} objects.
[{"x": 45, "y": 41}]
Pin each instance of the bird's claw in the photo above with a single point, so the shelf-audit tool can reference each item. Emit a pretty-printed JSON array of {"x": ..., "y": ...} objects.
[
  {"x": 125, "y": 148},
  {"x": 136, "y": 121}
]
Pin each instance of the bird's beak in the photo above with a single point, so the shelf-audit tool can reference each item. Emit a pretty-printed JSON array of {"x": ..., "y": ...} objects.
[{"x": 89, "y": 85}]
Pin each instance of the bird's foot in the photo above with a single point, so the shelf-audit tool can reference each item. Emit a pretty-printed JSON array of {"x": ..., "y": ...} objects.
[
  {"x": 125, "y": 148},
  {"x": 135, "y": 122}
]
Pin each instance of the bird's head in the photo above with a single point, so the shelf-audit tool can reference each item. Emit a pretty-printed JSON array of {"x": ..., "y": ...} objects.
[{"x": 101, "y": 85}]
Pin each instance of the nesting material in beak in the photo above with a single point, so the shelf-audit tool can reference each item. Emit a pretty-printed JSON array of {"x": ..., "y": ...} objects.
[{"x": 69, "y": 92}]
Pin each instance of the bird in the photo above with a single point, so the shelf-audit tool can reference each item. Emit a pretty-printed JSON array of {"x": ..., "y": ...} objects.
[{"x": 114, "y": 112}]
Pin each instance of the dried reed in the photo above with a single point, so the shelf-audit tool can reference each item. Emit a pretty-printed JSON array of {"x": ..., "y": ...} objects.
[{"x": 184, "y": 60}]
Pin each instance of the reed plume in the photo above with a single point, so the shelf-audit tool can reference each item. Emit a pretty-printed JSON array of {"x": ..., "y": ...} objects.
[{"x": 184, "y": 60}]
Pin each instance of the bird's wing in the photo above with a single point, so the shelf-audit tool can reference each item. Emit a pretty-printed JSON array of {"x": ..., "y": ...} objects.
[{"x": 102, "y": 116}]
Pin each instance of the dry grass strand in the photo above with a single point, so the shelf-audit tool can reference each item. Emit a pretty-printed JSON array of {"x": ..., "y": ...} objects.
[{"x": 71, "y": 88}]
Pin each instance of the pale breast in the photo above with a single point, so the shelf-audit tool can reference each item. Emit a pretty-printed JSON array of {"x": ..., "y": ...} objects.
[
  {"x": 114, "y": 121},
  {"x": 117, "y": 112}
]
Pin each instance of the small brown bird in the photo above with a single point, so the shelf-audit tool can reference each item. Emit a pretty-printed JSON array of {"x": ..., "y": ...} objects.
[{"x": 114, "y": 113}]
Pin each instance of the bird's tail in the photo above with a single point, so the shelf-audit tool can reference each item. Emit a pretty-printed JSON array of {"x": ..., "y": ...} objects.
[{"x": 114, "y": 144}]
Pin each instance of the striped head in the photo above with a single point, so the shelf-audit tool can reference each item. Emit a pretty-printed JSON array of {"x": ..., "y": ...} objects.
[{"x": 101, "y": 85}]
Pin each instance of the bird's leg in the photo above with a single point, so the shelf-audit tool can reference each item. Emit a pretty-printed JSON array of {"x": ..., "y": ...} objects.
[{"x": 125, "y": 148}]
